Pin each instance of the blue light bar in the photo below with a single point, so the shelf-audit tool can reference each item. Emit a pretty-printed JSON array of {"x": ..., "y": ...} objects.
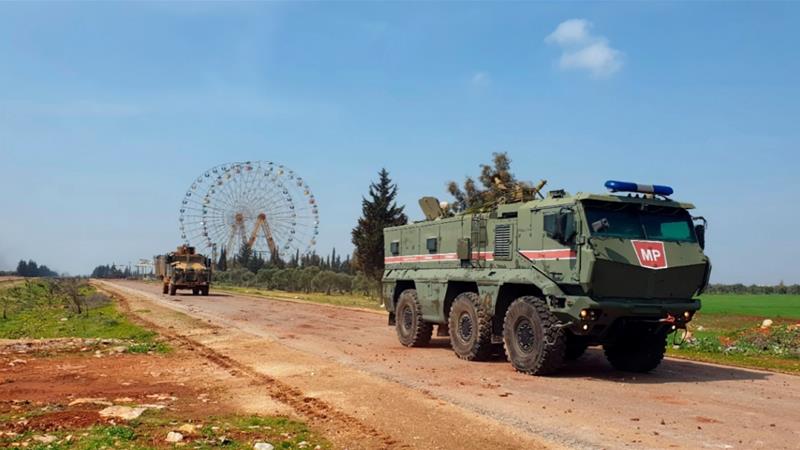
[{"x": 626, "y": 186}]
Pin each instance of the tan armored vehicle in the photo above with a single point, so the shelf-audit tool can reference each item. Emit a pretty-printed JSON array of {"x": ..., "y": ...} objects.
[{"x": 184, "y": 269}]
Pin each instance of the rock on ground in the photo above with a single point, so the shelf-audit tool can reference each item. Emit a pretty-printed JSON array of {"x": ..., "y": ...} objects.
[
  {"x": 174, "y": 436},
  {"x": 122, "y": 412}
]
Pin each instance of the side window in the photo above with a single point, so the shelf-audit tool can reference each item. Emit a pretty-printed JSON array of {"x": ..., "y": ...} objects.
[
  {"x": 431, "y": 244},
  {"x": 550, "y": 225},
  {"x": 560, "y": 226},
  {"x": 394, "y": 248}
]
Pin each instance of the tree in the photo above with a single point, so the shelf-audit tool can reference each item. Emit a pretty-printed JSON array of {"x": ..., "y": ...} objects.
[
  {"x": 378, "y": 211},
  {"x": 70, "y": 288},
  {"x": 222, "y": 263},
  {"x": 31, "y": 269},
  {"x": 245, "y": 253},
  {"x": 499, "y": 186}
]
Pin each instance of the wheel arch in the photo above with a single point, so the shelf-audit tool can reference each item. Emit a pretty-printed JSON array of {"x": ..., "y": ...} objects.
[
  {"x": 399, "y": 287},
  {"x": 507, "y": 293},
  {"x": 454, "y": 288}
]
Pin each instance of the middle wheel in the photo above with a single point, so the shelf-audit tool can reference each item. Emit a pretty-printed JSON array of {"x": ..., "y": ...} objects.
[{"x": 470, "y": 325}]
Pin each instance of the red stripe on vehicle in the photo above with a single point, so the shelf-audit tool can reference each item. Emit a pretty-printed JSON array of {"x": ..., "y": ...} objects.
[
  {"x": 435, "y": 257},
  {"x": 549, "y": 255}
]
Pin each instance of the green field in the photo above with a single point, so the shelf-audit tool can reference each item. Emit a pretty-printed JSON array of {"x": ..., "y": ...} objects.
[
  {"x": 36, "y": 310},
  {"x": 727, "y": 330},
  {"x": 765, "y": 306}
]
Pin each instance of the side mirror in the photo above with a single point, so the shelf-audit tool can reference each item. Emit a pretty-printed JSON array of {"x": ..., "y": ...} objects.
[
  {"x": 600, "y": 225},
  {"x": 700, "y": 232}
]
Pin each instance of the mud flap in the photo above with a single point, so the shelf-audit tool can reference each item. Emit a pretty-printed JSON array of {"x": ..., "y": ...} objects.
[{"x": 392, "y": 320}]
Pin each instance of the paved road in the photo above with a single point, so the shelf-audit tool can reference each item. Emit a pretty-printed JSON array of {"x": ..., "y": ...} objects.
[{"x": 588, "y": 405}]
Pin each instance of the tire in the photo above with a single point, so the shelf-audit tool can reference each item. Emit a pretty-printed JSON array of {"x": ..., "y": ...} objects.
[
  {"x": 470, "y": 326},
  {"x": 195, "y": 291},
  {"x": 412, "y": 331},
  {"x": 204, "y": 291},
  {"x": 637, "y": 352},
  {"x": 172, "y": 289},
  {"x": 535, "y": 343},
  {"x": 576, "y": 347},
  {"x": 165, "y": 289}
]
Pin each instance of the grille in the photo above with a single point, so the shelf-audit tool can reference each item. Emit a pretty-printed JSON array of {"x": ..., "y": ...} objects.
[{"x": 502, "y": 242}]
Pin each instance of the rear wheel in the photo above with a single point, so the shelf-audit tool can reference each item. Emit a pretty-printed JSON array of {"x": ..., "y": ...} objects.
[
  {"x": 204, "y": 290},
  {"x": 172, "y": 289},
  {"x": 470, "y": 326},
  {"x": 165, "y": 289},
  {"x": 195, "y": 291},
  {"x": 535, "y": 343},
  {"x": 638, "y": 351},
  {"x": 412, "y": 331}
]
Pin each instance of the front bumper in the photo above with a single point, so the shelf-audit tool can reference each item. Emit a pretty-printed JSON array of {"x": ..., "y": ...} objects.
[{"x": 601, "y": 314}]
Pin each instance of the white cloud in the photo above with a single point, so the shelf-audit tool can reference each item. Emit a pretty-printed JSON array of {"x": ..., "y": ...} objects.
[
  {"x": 569, "y": 32},
  {"x": 598, "y": 58},
  {"x": 582, "y": 50},
  {"x": 481, "y": 79}
]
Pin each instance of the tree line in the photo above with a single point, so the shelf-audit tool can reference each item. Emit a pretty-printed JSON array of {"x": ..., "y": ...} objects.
[
  {"x": 254, "y": 262},
  {"x": 300, "y": 279},
  {"x": 30, "y": 269},
  {"x": 739, "y": 288},
  {"x": 302, "y": 273},
  {"x": 110, "y": 271}
]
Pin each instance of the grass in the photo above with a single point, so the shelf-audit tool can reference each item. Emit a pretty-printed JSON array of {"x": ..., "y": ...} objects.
[
  {"x": 722, "y": 327},
  {"x": 350, "y": 300},
  {"x": 765, "y": 306},
  {"x": 150, "y": 431},
  {"x": 763, "y": 362},
  {"x": 38, "y": 313}
]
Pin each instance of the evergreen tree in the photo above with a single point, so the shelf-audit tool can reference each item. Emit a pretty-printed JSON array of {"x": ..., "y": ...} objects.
[
  {"x": 378, "y": 211},
  {"x": 245, "y": 253},
  {"x": 222, "y": 264},
  {"x": 256, "y": 263}
]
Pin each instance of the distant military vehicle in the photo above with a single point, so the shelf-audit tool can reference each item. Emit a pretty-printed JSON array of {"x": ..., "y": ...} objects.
[
  {"x": 183, "y": 269},
  {"x": 546, "y": 278}
]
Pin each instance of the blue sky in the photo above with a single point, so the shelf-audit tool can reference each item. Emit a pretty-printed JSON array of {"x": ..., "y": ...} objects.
[{"x": 108, "y": 111}]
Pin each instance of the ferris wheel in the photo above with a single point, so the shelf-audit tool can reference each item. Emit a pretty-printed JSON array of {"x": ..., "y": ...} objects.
[{"x": 261, "y": 204}]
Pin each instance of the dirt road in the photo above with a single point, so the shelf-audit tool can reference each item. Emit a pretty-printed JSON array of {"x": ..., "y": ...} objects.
[{"x": 428, "y": 398}]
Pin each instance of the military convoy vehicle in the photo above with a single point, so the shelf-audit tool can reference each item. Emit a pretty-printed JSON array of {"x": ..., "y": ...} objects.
[
  {"x": 545, "y": 279},
  {"x": 183, "y": 269}
]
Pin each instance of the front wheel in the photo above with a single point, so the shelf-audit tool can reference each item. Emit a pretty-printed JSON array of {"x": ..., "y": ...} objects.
[
  {"x": 412, "y": 331},
  {"x": 534, "y": 341},
  {"x": 204, "y": 290},
  {"x": 173, "y": 289}
]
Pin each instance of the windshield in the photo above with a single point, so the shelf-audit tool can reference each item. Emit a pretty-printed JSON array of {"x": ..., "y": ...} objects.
[{"x": 628, "y": 221}]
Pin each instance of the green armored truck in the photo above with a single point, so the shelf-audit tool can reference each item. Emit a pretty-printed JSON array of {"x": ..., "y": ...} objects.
[{"x": 546, "y": 278}]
